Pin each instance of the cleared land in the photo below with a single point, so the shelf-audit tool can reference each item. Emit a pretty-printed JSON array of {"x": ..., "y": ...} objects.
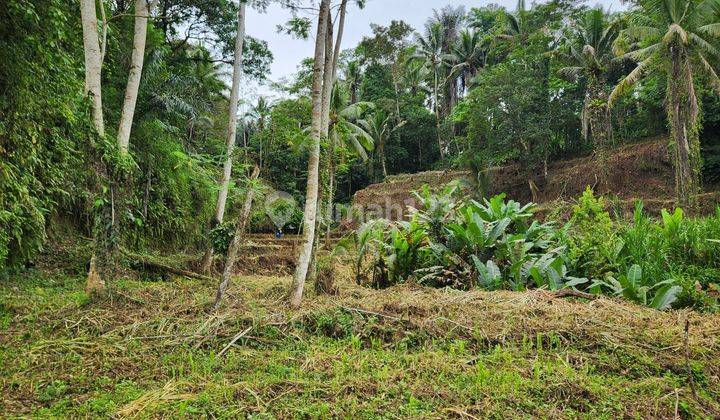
[{"x": 152, "y": 350}]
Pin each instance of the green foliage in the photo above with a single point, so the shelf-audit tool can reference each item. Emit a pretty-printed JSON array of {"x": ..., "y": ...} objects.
[
  {"x": 646, "y": 259},
  {"x": 377, "y": 83},
  {"x": 496, "y": 244},
  {"x": 594, "y": 247},
  {"x": 45, "y": 130},
  {"x": 221, "y": 236},
  {"x": 632, "y": 287},
  {"x": 464, "y": 244}
]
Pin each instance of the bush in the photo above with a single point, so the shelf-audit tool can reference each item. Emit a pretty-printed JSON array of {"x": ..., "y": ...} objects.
[
  {"x": 464, "y": 244},
  {"x": 594, "y": 246}
]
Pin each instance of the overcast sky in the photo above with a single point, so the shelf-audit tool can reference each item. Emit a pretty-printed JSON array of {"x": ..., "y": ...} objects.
[{"x": 289, "y": 52}]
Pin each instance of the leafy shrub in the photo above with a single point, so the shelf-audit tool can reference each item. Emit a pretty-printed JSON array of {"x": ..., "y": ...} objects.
[
  {"x": 675, "y": 247},
  {"x": 465, "y": 244},
  {"x": 632, "y": 287},
  {"x": 496, "y": 244},
  {"x": 594, "y": 247}
]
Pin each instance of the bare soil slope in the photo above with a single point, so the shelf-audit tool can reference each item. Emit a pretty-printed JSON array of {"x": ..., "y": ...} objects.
[{"x": 636, "y": 171}]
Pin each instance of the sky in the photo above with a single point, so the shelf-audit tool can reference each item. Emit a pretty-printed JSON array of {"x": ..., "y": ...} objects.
[{"x": 289, "y": 52}]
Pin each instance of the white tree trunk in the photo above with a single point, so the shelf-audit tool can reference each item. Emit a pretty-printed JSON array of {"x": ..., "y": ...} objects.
[
  {"x": 311, "y": 196},
  {"x": 327, "y": 77},
  {"x": 231, "y": 130},
  {"x": 237, "y": 238},
  {"x": 93, "y": 70},
  {"x": 93, "y": 61},
  {"x": 331, "y": 150},
  {"x": 136, "y": 65}
]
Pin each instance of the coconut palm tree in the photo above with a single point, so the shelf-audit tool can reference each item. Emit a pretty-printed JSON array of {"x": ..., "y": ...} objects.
[
  {"x": 588, "y": 51},
  {"x": 414, "y": 75},
  {"x": 675, "y": 38},
  {"x": 429, "y": 50},
  {"x": 260, "y": 112},
  {"x": 257, "y": 117},
  {"x": 313, "y": 181},
  {"x": 353, "y": 77},
  {"x": 450, "y": 20},
  {"x": 344, "y": 134},
  {"x": 380, "y": 126},
  {"x": 517, "y": 27},
  {"x": 468, "y": 56}
]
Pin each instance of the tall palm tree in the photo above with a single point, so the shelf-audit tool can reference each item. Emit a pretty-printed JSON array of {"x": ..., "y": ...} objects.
[
  {"x": 313, "y": 180},
  {"x": 450, "y": 20},
  {"x": 260, "y": 112},
  {"x": 517, "y": 27},
  {"x": 414, "y": 75},
  {"x": 675, "y": 38},
  {"x": 468, "y": 56},
  {"x": 429, "y": 49},
  {"x": 588, "y": 51},
  {"x": 353, "y": 76},
  {"x": 380, "y": 126},
  {"x": 344, "y": 134}
]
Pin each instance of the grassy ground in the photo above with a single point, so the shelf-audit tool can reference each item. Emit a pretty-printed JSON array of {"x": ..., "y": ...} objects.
[{"x": 152, "y": 350}]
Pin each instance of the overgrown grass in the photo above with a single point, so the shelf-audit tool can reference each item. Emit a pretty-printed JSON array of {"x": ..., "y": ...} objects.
[{"x": 151, "y": 350}]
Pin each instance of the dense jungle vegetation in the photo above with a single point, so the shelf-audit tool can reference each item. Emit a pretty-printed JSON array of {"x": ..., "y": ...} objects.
[{"x": 137, "y": 184}]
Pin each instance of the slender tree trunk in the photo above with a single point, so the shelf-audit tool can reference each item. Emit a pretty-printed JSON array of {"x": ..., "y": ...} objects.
[
  {"x": 326, "y": 94},
  {"x": 93, "y": 61},
  {"x": 437, "y": 115},
  {"x": 683, "y": 116},
  {"x": 331, "y": 193},
  {"x": 136, "y": 66},
  {"x": 103, "y": 45},
  {"x": 237, "y": 238},
  {"x": 93, "y": 72},
  {"x": 381, "y": 152},
  {"x": 311, "y": 196},
  {"x": 331, "y": 147},
  {"x": 231, "y": 132},
  {"x": 327, "y": 78}
]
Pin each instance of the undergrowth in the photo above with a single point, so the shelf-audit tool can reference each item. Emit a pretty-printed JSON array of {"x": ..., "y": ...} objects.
[
  {"x": 495, "y": 244},
  {"x": 152, "y": 350}
]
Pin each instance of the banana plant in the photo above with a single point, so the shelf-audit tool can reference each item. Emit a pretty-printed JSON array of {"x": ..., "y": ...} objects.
[{"x": 631, "y": 287}]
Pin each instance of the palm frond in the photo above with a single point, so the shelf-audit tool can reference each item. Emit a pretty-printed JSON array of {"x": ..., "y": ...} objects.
[
  {"x": 642, "y": 53},
  {"x": 571, "y": 73},
  {"x": 675, "y": 31},
  {"x": 710, "y": 72},
  {"x": 631, "y": 79},
  {"x": 356, "y": 110},
  {"x": 712, "y": 29},
  {"x": 642, "y": 32},
  {"x": 362, "y": 135},
  {"x": 704, "y": 45}
]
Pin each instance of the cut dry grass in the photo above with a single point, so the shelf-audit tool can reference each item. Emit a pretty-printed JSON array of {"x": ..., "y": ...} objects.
[{"x": 153, "y": 350}]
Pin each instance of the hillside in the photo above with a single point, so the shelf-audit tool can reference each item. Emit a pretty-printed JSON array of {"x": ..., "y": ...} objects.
[{"x": 636, "y": 171}]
